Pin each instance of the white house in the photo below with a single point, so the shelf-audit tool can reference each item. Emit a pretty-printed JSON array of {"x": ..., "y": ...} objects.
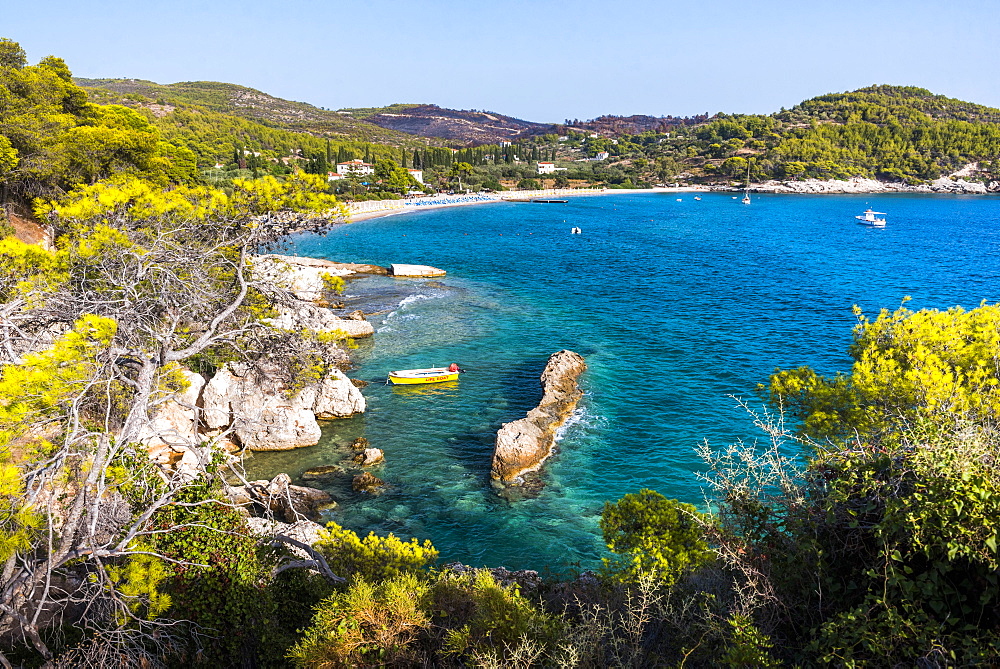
[
  {"x": 333, "y": 176},
  {"x": 603, "y": 155},
  {"x": 417, "y": 174},
  {"x": 356, "y": 166},
  {"x": 546, "y": 168}
]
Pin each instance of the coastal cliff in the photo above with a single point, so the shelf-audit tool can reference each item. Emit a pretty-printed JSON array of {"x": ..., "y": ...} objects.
[{"x": 523, "y": 445}]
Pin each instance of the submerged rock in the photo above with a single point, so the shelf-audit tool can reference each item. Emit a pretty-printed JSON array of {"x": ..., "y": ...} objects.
[
  {"x": 323, "y": 474},
  {"x": 367, "y": 482},
  {"x": 523, "y": 445}
]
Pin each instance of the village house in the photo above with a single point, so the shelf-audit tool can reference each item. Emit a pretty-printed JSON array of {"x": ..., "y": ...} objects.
[
  {"x": 549, "y": 168},
  {"x": 356, "y": 166}
]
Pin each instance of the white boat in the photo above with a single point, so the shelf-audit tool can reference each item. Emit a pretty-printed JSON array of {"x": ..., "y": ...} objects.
[
  {"x": 746, "y": 189},
  {"x": 871, "y": 218}
]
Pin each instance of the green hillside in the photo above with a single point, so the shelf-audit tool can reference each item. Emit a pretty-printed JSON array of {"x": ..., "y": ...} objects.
[
  {"x": 891, "y": 133},
  {"x": 246, "y": 103}
]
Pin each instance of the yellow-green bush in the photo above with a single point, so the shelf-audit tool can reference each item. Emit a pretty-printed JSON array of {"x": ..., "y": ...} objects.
[
  {"x": 369, "y": 624},
  {"x": 483, "y": 617},
  {"x": 373, "y": 557}
]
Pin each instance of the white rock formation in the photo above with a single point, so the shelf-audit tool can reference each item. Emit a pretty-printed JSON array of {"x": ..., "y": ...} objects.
[
  {"x": 172, "y": 438},
  {"x": 862, "y": 185},
  {"x": 306, "y": 316},
  {"x": 303, "y": 277},
  {"x": 263, "y": 418},
  {"x": 337, "y": 397}
]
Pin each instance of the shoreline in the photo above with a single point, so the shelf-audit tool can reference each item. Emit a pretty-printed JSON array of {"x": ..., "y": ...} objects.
[
  {"x": 362, "y": 211},
  {"x": 442, "y": 201}
]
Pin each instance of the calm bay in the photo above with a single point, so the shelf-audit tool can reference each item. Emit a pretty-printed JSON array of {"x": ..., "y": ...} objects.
[{"x": 677, "y": 305}]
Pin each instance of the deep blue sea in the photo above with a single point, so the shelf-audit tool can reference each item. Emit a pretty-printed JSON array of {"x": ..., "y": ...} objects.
[{"x": 676, "y": 304}]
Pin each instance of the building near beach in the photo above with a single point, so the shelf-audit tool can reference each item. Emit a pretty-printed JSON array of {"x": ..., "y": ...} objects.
[
  {"x": 356, "y": 166},
  {"x": 417, "y": 174},
  {"x": 549, "y": 168}
]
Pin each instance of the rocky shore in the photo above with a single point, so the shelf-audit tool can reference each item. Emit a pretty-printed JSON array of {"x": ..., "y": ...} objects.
[
  {"x": 523, "y": 445},
  {"x": 861, "y": 185},
  {"x": 244, "y": 408}
]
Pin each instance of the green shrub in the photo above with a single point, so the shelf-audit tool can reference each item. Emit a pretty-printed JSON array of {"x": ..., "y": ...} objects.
[
  {"x": 369, "y": 624},
  {"x": 373, "y": 558},
  {"x": 483, "y": 618},
  {"x": 653, "y": 534}
]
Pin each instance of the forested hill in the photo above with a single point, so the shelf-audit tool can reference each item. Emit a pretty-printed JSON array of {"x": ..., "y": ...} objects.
[
  {"x": 881, "y": 104},
  {"x": 244, "y": 102}
]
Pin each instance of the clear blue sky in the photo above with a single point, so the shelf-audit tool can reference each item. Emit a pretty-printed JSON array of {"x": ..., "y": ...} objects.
[{"x": 545, "y": 60}]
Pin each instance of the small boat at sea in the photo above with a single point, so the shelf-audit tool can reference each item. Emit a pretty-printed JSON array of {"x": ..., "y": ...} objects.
[
  {"x": 427, "y": 375},
  {"x": 548, "y": 201},
  {"x": 746, "y": 189},
  {"x": 871, "y": 218}
]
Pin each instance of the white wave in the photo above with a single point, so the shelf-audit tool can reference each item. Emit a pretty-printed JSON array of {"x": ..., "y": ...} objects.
[
  {"x": 579, "y": 415},
  {"x": 410, "y": 299}
]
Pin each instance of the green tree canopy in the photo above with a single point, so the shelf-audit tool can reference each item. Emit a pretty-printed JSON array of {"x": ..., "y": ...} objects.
[{"x": 909, "y": 367}]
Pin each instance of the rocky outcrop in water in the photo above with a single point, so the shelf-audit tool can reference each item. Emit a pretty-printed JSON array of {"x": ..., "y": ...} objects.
[
  {"x": 264, "y": 417},
  {"x": 366, "y": 482},
  {"x": 523, "y": 445}
]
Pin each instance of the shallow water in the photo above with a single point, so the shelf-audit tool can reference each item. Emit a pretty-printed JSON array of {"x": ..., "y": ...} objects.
[{"x": 675, "y": 305}]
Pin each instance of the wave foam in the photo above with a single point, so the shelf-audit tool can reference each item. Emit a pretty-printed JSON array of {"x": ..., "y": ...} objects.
[
  {"x": 416, "y": 297},
  {"x": 580, "y": 415}
]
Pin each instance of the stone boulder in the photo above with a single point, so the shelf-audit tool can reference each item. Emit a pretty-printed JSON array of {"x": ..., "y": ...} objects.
[
  {"x": 337, "y": 397},
  {"x": 175, "y": 422},
  {"x": 369, "y": 457},
  {"x": 305, "y": 531},
  {"x": 171, "y": 437},
  {"x": 264, "y": 418},
  {"x": 289, "y": 503},
  {"x": 307, "y": 316},
  {"x": 366, "y": 482},
  {"x": 523, "y": 445},
  {"x": 303, "y": 277}
]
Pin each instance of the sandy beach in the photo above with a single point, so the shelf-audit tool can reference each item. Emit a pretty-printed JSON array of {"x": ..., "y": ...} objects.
[{"x": 374, "y": 209}]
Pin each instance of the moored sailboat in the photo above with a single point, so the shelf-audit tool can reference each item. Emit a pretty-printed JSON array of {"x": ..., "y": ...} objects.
[{"x": 746, "y": 189}]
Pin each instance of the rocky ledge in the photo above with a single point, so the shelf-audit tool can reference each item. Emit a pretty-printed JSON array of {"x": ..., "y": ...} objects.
[
  {"x": 523, "y": 445},
  {"x": 860, "y": 185}
]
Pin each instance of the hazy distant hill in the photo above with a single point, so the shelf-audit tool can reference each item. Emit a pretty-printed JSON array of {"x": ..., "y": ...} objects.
[
  {"x": 248, "y": 103},
  {"x": 465, "y": 126}
]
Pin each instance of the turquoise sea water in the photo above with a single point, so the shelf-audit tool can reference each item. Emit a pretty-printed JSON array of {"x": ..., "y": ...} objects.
[{"x": 676, "y": 305}]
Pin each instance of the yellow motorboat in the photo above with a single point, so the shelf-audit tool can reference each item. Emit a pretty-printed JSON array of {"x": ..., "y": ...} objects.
[{"x": 429, "y": 375}]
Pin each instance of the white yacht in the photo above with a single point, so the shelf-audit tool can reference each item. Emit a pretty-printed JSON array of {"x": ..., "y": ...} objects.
[{"x": 871, "y": 218}]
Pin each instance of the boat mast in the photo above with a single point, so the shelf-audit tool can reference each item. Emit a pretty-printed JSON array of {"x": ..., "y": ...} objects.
[{"x": 746, "y": 189}]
